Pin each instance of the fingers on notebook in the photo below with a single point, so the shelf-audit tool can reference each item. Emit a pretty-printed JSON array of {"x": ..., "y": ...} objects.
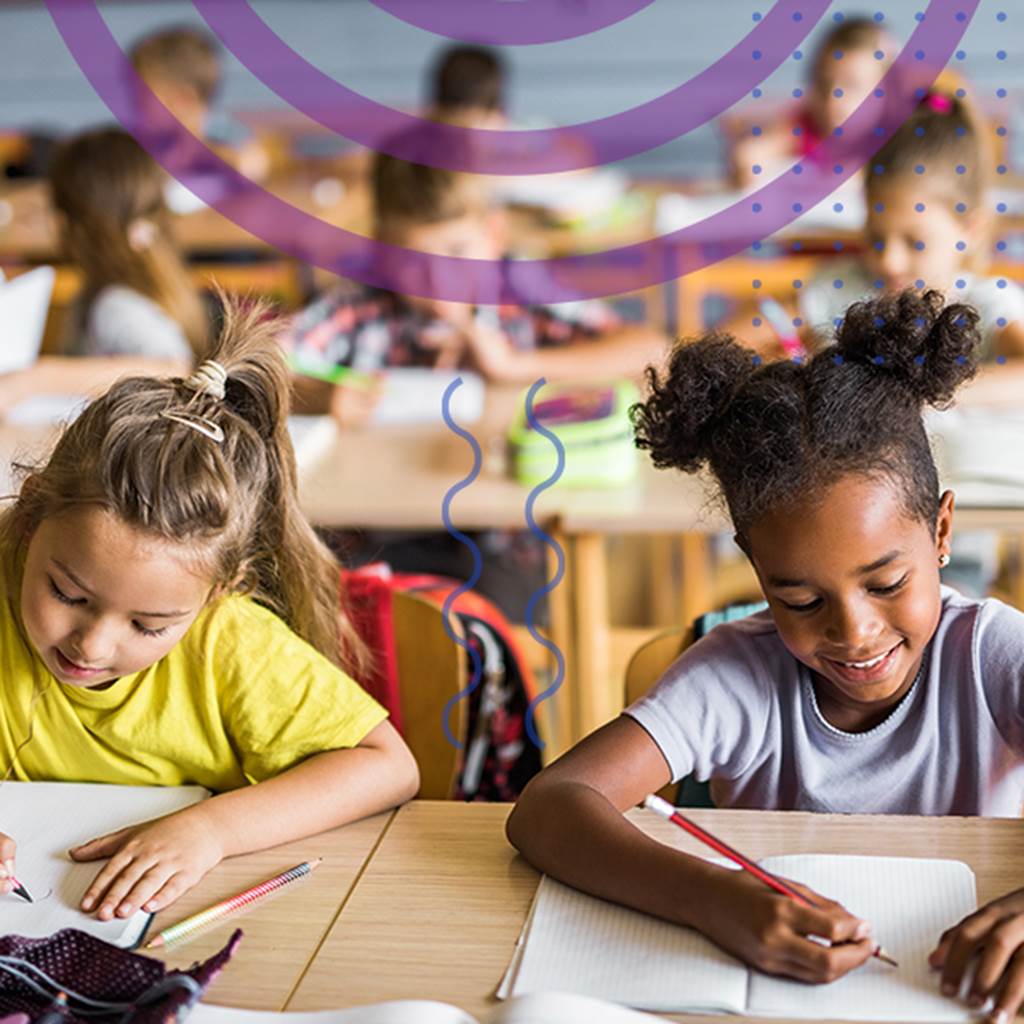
[
  {"x": 989, "y": 943},
  {"x": 7, "y": 850}
]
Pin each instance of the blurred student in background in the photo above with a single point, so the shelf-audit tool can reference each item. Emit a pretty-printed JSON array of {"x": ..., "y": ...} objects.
[
  {"x": 137, "y": 311},
  {"x": 844, "y": 69},
  {"x": 448, "y": 213},
  {"x": 181, "y": 65},
  {"x": 467, "y": 87}
]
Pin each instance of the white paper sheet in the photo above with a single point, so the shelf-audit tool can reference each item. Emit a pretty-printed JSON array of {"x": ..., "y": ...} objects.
[{"x": 46, "y": 819}]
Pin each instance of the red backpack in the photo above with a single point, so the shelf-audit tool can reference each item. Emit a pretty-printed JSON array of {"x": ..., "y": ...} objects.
[{"x": 497, "y": 758}]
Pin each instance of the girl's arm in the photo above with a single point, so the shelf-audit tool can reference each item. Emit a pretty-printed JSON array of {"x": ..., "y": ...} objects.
[
  {"x": 569, "y": 823},
  {"x": 73, "y": 375},
  {"x": 152, "y": 864},
  {"x": 621, "y": 353}
]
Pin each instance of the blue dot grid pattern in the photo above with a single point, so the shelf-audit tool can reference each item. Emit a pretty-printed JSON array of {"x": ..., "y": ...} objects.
[{"x": 967, "y": 57}]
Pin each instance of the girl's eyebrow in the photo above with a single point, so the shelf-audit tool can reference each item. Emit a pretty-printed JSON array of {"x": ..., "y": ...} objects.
[
  {"x": 880, "y": 563},
  {"x": 81, "y": 586}
]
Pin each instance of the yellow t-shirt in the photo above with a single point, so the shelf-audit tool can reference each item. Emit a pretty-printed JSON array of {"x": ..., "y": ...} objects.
[{"x": 239, "y": 699}]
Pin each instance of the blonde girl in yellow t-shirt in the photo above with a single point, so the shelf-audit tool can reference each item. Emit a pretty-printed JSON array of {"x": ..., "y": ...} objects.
[{"x": 167, "y": 616}]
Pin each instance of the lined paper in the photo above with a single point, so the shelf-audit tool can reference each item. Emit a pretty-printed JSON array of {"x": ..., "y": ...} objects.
[
  {"x": 580, "y": 944},
  {"x": 909, "y": 902},
  {"x": 46, "y": 819},
  {"x": 576, "y": 943}
]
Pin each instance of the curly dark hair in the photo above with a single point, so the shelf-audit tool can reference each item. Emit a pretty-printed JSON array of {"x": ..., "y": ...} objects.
[{"x": 775, "y": 434}]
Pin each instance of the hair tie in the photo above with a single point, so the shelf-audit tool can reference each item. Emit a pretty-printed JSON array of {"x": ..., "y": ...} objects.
[
  {"x": 939, "y": 102},
  {"x": 208, "y": 378}
]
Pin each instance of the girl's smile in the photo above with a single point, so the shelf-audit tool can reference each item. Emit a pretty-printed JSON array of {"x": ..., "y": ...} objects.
[{"x": 853, "y": 582}]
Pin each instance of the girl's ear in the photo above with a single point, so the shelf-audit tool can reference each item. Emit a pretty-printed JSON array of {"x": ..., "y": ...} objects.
[
  {"x": 142, "y": 233},
  {"x": 944, "y": 524}
]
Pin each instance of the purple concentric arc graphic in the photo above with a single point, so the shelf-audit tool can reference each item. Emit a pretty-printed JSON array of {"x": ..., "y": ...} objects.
[
  {"x": 571, "y": 147},
  {"x": 624, "y": 269},
  {"x": 511, "y": 22}
]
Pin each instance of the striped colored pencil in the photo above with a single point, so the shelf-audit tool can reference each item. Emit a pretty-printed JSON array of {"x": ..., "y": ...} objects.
[{"x": 186, "y": 930}]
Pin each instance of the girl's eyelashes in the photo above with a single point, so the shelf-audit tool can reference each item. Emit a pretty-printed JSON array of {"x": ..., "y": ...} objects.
[
  {"x": 64, "y": 599},
  {"x": 61, "y": 596},
  {"x": 893, "y": 587},
  {"x": 809, "y": 606},
  {"x": 149, "y": 632}
]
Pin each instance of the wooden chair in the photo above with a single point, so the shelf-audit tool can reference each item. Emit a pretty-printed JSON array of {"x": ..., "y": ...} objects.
[
  {"x": 647, "y": 665},
  {"x": 431, "y": 670},
  {"x": 733, "y": 279}
]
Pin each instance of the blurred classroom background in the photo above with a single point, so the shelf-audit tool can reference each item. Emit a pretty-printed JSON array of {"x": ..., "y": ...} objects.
[{"x": 642, "y": 554}]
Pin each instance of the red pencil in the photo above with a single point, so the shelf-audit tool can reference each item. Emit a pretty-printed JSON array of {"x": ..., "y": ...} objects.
[{"x": 665, "y": 810}]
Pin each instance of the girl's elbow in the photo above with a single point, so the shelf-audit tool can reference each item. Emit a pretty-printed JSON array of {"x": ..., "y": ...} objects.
[{"x": 408, "y": 777}]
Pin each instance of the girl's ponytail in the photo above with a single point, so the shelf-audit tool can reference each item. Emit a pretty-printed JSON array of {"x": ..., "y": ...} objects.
[
  {"x": 286, "y": 566},
  {"x": 912, "y": 338}
]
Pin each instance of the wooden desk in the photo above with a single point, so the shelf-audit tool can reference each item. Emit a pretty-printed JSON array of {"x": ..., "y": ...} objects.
[
  {"x": 437, "y": 911},
  {"x": 282, "y": 936}
]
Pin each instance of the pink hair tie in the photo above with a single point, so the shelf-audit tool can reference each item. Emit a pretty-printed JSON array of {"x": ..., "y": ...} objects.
[{"x": 939, "y": 103}]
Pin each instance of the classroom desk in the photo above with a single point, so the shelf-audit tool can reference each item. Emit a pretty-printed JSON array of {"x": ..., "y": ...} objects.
[
  {"x": 282, "y": 936},
  {"x": 438, "y": 909}
]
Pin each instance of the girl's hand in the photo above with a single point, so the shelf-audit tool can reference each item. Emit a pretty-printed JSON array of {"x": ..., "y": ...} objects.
[
  {"x": 771, "y": 932},
  {"x": 151, "y": 864},
  {"x": 7, "y": 848},
  {"x": 995, "y": 934}
]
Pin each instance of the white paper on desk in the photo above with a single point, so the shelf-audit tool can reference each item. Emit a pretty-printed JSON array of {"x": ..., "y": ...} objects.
[
  {"x": 45, "y": 410},
  {"x": 910, "y": 902},
  {"x": 414, "y": 395},
  {"x": 546, "y": 1008},
  {"x": 585, "y": 945},
  {"x": 312, "y": 437},
  {"x": 405, "y": 1011},
  {"x": 46, "y": 819},
  {"x": 577, "y": 943}
]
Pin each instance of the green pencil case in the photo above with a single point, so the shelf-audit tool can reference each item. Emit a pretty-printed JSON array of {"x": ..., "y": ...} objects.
[{"x": 592, "y": 424}]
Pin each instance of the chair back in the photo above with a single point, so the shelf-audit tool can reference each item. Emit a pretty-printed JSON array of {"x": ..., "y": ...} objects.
[
  {"x": 431, "y": 670},
  {"x": 650, "y": 660}
]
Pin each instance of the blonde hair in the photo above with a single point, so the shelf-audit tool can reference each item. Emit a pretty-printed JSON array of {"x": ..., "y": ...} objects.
[
  {"x": 103, "y": 182},
  {"x": 182, "y": 54},
  {"x": 234, "y": 501}
]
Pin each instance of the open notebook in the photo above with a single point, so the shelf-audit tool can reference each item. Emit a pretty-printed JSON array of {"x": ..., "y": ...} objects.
[
  {"x": 545, "y": 1008},
  {"x": 48, "y": 818},
  {"x": 576, "y": 943}
]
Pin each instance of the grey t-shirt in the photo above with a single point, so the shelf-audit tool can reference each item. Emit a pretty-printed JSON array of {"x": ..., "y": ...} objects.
[
  {"x": 123, "y": 322},
  {"x": 737, "y": 708}
]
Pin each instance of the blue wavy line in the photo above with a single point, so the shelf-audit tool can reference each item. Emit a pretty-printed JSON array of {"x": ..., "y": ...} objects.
[
  {"x": 446, "y": 608},
  {"x": 535, "y": 424}
]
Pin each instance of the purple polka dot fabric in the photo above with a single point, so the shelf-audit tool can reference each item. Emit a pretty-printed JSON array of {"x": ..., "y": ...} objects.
[{"x": 94, "y": 968}]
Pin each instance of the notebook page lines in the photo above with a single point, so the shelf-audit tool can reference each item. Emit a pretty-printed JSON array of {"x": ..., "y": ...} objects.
[
  {"x": 580, "y": 944},
  {"x": 909, "y": 902}
]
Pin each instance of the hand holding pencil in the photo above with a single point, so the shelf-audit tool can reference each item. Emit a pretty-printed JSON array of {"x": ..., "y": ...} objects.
[{"x": 742, "y": 913}]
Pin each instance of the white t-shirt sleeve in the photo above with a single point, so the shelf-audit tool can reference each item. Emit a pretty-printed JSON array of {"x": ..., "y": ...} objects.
[
  {"x": 709, "y": 714},
  {"x": 997, "y": 649},
  {"x": 123, "y": 322},
  {"x": 999, "y": 302}
]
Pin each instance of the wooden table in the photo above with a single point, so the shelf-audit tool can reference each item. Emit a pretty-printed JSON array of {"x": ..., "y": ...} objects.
[
  {"x": 283, "y": 936},
  {"x": 438, "y": 909}
]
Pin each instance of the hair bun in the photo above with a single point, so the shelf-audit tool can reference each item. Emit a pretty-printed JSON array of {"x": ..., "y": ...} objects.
[
  {"x": 678, "y": 420},
  {"x": 916, "y": 339}
]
